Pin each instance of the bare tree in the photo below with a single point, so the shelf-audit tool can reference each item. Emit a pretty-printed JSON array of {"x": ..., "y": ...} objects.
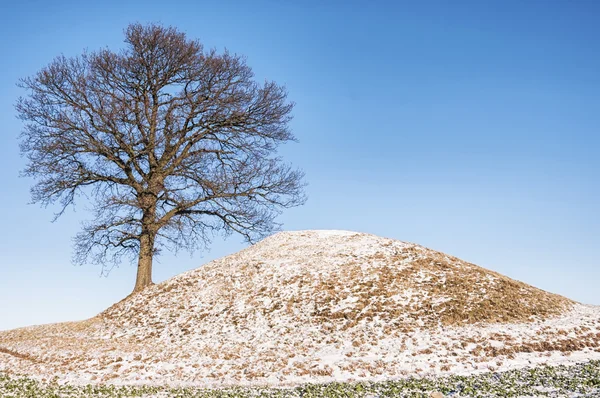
[{"x": 170, "y": 143}]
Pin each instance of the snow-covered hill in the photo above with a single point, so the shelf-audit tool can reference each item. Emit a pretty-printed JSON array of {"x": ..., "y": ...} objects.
[{"x": 313, "y": 306}]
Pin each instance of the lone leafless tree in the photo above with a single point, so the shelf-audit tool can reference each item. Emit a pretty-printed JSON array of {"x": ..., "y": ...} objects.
[{"x": 170, "y": 143}]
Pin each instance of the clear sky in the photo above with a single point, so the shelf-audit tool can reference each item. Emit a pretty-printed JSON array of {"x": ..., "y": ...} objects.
[{"x": 470, "y": 127}]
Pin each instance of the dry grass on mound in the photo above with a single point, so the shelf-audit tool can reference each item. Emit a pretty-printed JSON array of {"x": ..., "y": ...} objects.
[
  {"x": 444, "y": 291},
  {"x": 410, "y": 288}
]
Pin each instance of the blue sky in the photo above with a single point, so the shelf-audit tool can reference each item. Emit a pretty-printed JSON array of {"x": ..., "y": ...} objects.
[{"x": 471, "y": 127}]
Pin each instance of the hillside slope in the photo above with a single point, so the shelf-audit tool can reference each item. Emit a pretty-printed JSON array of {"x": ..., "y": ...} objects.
[{"x": 313, "y": 306}]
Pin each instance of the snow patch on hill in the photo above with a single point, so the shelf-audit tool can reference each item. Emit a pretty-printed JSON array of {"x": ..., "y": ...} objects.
[{"x": 313, "y": 306}]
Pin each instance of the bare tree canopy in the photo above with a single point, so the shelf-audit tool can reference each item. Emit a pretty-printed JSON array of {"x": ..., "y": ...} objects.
[{"x": 170, "y": 143}]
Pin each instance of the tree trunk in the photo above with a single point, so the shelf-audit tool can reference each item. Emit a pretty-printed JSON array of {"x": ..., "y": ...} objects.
[{"x": 144, "y": 270}]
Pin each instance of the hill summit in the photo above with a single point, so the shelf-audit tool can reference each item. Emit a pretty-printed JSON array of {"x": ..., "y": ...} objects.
[
  {"x": 340, "y": 277},
  {"x": 312, "y": 306}
]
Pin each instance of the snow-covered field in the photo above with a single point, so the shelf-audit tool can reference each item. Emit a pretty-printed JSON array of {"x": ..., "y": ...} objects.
[
  {"x": 581, "y": 380},
  {"x": 313, "y": 307}
]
